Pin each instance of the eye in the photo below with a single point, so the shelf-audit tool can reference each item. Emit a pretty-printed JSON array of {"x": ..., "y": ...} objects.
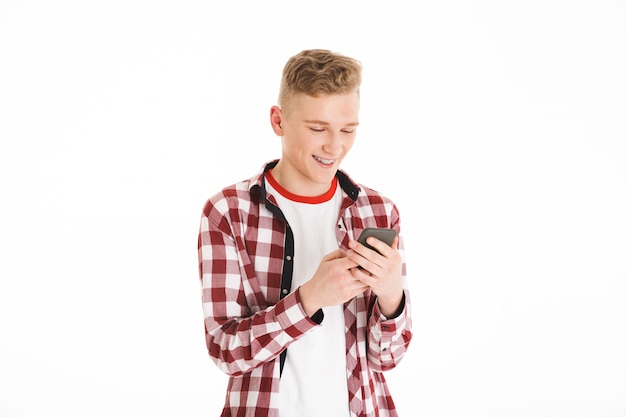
[
  {"x": 317, "y": 129},
  {"x": 347, "y": 130}
]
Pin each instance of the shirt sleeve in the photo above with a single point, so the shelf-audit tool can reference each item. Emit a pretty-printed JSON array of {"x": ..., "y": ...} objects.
[
  {"x": 388, "y": 338},
  {"x": 239, "y": 339}
]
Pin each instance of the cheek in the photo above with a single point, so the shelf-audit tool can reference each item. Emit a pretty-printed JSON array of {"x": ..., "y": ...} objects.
[
  {"x": 297, "y": 144},
  {"x": 348, "y": 142}
]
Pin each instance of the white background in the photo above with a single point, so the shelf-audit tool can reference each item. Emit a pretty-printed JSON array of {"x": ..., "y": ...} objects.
[{"x": 497, "y": 127}]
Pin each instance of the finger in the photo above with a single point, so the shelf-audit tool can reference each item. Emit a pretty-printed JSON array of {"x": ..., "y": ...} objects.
[
  {"x": 336, "y": 254},
  {"x": 360, "y": 285},
  {"x": 367, "y": 280},
  {"x": 380, "y": 246},
  {"x": 360, "y": 249},
  {"x": 362, "y": 275},
  {"x": 361, "y": 261},
  {"x": 340, "y": 263},
  {"x": 348, "y": 263}
]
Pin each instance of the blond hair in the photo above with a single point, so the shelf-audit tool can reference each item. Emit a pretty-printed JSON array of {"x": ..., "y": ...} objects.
[{"x": 317, "y": 72}]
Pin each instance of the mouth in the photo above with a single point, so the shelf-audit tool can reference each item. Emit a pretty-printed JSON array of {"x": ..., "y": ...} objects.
[{"x": 324, "y": 161}]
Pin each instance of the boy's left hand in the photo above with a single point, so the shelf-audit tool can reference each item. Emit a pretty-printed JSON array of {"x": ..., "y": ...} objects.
[{"x": 382, "y": 272}]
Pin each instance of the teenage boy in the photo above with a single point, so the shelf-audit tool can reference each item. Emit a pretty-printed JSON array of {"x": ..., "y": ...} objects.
[{"x": 302, "y": 317}]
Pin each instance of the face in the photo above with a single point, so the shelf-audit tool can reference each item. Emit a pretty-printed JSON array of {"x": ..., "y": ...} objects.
[{"x": 317, "y": 133}]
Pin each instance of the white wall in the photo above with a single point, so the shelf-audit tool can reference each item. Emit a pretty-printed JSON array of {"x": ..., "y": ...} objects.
[{"x": 498, "y": 128}]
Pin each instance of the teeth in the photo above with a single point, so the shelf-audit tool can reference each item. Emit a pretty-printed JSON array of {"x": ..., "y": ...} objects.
[{"x": 324, "y": 161}]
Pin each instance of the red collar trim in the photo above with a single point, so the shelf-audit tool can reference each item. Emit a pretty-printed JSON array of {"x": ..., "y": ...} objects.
[{"x": 300, "y": 198}]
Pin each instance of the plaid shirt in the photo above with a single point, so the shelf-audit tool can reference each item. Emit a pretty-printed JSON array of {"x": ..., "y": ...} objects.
[{"x": 252, "y": 315}]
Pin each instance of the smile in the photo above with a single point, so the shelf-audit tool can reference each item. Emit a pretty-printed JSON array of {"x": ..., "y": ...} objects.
[{"x": 324, "y": 161}]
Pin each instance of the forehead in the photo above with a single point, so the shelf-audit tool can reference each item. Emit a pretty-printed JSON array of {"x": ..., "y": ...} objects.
[{"x": 330, "y": 108}]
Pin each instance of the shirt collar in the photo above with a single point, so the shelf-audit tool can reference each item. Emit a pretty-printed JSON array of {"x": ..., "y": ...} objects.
[{"x": 257, "y": 183}]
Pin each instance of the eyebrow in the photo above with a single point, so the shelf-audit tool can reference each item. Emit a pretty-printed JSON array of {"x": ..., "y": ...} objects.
[{"x": 323, "y": 123}]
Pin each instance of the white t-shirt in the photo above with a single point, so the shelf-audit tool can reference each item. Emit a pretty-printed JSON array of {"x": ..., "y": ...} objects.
[{"x": 314, "y": 380}]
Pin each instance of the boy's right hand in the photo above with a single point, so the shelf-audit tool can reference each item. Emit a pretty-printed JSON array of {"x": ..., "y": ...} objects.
[{"x": 332, "y": 283}]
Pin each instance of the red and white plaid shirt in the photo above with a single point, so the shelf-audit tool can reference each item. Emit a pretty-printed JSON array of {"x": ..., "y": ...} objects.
[{"x": 252, "y": 315}]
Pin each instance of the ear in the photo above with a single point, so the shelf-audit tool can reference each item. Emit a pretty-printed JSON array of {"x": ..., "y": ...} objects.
[{"x": 276, "y": 118}]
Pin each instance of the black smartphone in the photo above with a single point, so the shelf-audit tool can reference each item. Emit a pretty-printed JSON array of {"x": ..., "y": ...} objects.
[{"x": 383, "y": 234}]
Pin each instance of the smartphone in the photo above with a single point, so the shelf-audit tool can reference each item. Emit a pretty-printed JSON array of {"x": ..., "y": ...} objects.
[{"x": 385, "y": 235}]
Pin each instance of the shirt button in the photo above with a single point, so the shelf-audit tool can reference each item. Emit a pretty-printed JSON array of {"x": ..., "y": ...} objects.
[
  {"x": 285, "y": 291},
  {"x": 288, "y": 258},
  {"x": 385, "y": 327}
]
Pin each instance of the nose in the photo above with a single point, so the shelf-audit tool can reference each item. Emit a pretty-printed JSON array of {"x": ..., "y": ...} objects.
[{"x": 332, "y": 145}]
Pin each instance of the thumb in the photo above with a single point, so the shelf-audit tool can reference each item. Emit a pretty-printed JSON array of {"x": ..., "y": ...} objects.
[{"x": 336, "y": 254}]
